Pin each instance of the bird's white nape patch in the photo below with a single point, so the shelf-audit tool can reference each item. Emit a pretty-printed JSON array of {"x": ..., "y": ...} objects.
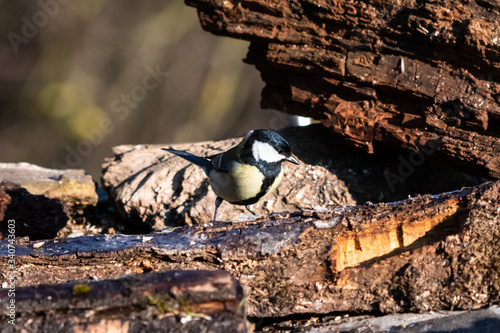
[{"x": 263, "y": 151}]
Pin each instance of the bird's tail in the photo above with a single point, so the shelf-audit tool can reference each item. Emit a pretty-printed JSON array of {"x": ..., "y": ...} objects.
[{"x": 199, "y": 161}]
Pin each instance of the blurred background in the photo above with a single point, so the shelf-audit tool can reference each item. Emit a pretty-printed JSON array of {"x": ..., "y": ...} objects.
[{"x": 79, "y": 77}]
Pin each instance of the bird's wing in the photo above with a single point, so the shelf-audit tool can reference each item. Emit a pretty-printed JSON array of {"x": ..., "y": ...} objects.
[
  {"x": 224, "y": 162},
  {"x": 218, "y": 163}
]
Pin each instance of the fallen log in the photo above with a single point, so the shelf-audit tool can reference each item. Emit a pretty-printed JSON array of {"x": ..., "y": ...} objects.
[
  {"x": 173, "y": 301},
  {"x": 50, "y": 202},
  {"x": 72, "y": 187},
  {"x": 417, "y": 75},
  {"x": 425, "y": 253},
  {"x": 155, "y": 189}
]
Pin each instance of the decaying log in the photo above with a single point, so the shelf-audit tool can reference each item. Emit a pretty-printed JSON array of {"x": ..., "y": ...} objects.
[
  {"x": 416, "y": 74},
  {"x": 73, "y": 187},
  {"x": 71, "y": 193},
  {"x": 152, "y": 187},
  {"x": 425, "y": 253},
  {"x": 174, "y": 301}
]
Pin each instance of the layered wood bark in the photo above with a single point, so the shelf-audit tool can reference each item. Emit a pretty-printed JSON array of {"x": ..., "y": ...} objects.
[
  {"x": 424, "y": 253},
  {"x": 418, "y": 75}
]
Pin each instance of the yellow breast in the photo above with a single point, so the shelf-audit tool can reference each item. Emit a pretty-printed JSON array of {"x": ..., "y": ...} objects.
[{"x": 243, "y": 183}]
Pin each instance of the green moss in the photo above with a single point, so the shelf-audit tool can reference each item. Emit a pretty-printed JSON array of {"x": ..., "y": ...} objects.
[
  {"x": 80, "y": 289},
  {"x": 162, "y": 303},
  {"x": 184, "y": 305},
  {"x": 179, "y": 306}
]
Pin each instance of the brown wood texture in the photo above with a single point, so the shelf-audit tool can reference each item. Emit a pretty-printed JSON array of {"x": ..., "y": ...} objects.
[
  {"x": 173, "y": 301},
  {"x": 425, "y": 253},
  {"x": 416, "y": 74}
]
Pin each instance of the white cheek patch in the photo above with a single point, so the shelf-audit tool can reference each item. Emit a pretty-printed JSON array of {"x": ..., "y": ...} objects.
[{"x": 263, "y": 151}]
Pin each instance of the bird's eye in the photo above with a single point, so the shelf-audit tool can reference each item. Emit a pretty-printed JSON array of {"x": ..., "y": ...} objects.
[{"x": 281, "y": 151}]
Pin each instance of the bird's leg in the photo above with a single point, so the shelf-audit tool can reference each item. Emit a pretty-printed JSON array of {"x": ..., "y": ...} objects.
[
  {"x": 250, "y": 209},
  {"x": 218, "y": 201}
]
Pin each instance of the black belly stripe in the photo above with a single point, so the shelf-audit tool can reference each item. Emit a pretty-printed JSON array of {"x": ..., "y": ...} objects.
[{"x": 270, "y": 172}]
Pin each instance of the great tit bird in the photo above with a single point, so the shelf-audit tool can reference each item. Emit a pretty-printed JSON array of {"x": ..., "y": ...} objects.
[{"x": 247, "y": 172}]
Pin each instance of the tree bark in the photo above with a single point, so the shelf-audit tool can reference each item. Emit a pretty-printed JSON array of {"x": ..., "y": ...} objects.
[
  {"x": 417, "y": 75},
  {"x": 425, "y": 253}
]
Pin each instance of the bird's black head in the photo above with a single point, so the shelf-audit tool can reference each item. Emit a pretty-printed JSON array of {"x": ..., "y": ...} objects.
[{"x": 266, "y": 146}]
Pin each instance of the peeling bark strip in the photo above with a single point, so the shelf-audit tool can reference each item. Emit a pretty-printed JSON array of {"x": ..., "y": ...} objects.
[
  {"x": 424, "y": 253},
  {"x": 206, "y": 300},
  {"x": 409, "y": 73}
]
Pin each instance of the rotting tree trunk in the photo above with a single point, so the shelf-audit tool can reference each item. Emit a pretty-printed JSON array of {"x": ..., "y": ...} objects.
[
  {"x": 425, "y": 253},
  {"x": 208, "y": 301},
  {"x": 416, "y": 74}
]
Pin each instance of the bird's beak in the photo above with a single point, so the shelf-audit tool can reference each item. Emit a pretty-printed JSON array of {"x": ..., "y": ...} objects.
[{"x": 292, "y": 159}]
